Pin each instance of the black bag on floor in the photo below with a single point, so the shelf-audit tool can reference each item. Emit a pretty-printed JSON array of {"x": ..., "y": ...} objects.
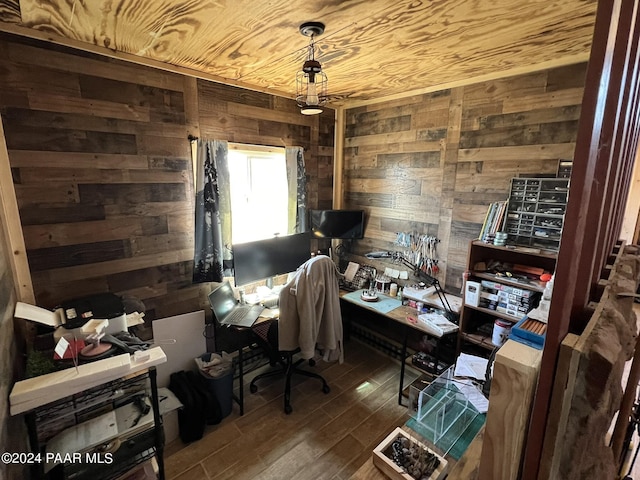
[
  {"x": 191, "y": 416},
  {"x": 212, "y": 409},
  {"x": 200, "y": 406}
]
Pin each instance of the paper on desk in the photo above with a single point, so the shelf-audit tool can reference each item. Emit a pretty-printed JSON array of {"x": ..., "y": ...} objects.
[
  {"x": 475, "y": 396},
  {"x": 350, "y": 272},
  {"x": 391, "y": 272},
  {"x": 437, "y": 324},
  {"x": 471, "y": 366},
  {"x": 270, "y": 313}
]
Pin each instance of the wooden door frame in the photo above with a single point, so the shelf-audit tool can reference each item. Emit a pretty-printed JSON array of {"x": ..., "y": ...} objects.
[{"x": 605, "y": 152}]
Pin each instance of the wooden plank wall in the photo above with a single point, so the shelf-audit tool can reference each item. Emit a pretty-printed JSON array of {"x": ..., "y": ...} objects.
[
  {"x": 10, "y": 11},
  {"x": 101, "y": 165},
  {"x": 433, "y": 163}
]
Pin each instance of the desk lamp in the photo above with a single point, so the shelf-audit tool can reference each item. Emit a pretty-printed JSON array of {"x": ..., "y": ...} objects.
[{"x": 424, "y": 277}]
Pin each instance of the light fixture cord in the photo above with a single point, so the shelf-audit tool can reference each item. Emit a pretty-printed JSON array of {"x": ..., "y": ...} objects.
[
  {"x": 239, "y": 77},
  {"x": 312, "y": 49}
]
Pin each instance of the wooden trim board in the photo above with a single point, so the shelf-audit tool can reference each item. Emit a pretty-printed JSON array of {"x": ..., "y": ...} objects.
[
  {"x": 12, "y": 227},
  {"x": 515, "y": 376}
]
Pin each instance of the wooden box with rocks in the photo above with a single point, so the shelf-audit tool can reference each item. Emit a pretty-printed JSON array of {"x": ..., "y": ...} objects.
[{"x": 403, "y": 457}]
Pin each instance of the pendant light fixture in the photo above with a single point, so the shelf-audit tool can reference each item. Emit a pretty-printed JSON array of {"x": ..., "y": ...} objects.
[{"x": 311, "y": 81}]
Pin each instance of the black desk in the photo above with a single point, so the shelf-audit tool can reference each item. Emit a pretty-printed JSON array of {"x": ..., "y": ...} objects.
[{"x": 245, "y": 337}]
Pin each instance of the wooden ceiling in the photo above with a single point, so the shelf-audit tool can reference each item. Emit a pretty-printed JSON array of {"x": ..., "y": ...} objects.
[{"x": 371, "y": 49}]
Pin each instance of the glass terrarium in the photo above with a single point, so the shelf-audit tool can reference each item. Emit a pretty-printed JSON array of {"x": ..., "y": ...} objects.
[{"x": 442, "y": 412}]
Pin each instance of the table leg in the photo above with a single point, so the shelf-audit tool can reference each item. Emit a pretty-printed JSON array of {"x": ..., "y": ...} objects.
[
  {"x": 158, "y": 430},
  {"x": 241, "y": 379},
  {"x": 402, "y": 359}
]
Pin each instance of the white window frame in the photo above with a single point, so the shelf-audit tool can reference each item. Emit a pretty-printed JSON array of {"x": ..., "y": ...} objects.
[{"x": 260, "y": 209}]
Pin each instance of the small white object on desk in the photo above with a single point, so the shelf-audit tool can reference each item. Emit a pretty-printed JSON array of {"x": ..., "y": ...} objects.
[
  {"x": 369, "y": 297},
  {"x": 95, "y": 326},
  {"x": 418, "y": 294},
  {"x": 141, "y": 356},
  {"x": 437, "y": 324}
]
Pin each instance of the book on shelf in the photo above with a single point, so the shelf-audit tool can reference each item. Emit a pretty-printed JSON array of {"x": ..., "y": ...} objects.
[{"x": 493, "y": 220}]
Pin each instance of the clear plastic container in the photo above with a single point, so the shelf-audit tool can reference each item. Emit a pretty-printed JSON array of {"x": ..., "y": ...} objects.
[{"x": 443, "y": 412}]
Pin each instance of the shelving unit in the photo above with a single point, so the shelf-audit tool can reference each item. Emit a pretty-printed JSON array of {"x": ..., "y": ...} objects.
[
  {"x": 476, "y": 322},
  {"x": 535, "y": 215},
  {"x": 101, "y": 420}
]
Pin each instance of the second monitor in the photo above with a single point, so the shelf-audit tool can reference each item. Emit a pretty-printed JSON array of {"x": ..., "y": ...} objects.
[{"x": 253, "y": 261}]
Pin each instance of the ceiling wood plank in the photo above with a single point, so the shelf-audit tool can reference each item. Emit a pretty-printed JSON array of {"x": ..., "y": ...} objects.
[{"x": 370, "y": 49}]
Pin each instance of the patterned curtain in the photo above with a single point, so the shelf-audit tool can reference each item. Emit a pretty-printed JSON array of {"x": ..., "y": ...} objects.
[
  {"x": 212, "y": 255},
  {"x": 297, "y": 179}
]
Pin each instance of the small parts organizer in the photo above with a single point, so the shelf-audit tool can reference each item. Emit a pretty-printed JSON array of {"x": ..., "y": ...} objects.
[{"x": 535, "y": 216}]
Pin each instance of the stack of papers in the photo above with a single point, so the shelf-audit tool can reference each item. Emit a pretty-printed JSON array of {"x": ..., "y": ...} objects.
[
  {"x": 475, "y": 396},
  {"x": 436, "y": 324},
  {"x": 471, "y": 366}
]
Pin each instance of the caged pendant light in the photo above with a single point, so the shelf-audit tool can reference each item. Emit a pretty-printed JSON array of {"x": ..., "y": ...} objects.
[{"x": 311, "y": 81}]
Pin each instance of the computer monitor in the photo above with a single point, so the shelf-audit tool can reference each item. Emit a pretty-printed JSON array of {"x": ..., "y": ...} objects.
[
  {"x": 253, "y": 261},
  {"x": 342, "y": 224}
]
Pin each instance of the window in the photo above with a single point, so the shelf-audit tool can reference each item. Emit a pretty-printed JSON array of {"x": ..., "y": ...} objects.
[{"x": 259, "y": 192}]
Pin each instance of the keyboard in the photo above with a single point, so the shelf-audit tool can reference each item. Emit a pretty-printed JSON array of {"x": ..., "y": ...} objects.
[{"x": 237, "y": 315}]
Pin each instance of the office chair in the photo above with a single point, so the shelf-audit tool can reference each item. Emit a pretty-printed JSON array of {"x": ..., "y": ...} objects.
[{"x": 309, "y": 316}]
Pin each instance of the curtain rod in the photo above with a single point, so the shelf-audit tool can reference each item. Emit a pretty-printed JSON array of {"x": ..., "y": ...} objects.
[{"x": 193, "y": 138}]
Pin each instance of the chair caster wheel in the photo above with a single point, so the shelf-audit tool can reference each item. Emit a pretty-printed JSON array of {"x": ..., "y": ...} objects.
[
  {"x": 288, "y": 409},
  {"x": 253, "y": 388},
  {"x": 325, "y": 389},
  {"x": 312, "y": 362}
]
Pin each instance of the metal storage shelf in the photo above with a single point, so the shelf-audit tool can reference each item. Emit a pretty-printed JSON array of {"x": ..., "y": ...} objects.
[{"x": 46, "y": 422}]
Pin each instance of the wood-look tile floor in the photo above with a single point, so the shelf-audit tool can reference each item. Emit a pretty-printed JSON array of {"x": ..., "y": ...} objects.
[{"x": 327, "y": 436}]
